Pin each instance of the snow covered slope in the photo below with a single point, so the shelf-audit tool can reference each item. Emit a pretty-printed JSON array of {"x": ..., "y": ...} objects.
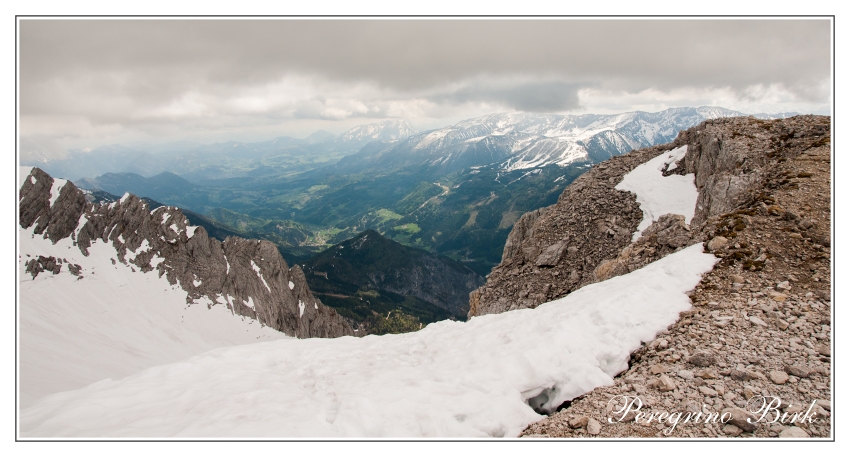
[
  {"x": 111, "y": 321},
  {"x": 472, "y": 379},
  {"x": 109, "y": 289}
]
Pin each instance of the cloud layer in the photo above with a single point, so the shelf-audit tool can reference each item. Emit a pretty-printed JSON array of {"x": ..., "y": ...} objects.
[{"x": 84, "y": 80}]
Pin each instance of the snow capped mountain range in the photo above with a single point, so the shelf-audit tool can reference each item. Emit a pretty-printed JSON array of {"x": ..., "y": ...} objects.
[
  {"x": 511, "y": 141},
  {"x": 518, "y": 141}
]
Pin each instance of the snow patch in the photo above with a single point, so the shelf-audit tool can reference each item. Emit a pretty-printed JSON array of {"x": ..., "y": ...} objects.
[
  {"x": 156, "y": 260},
  {"x": 300, "y": 308},
  {"x": 143, "y": 247},
  {"x": 450, "y": 379},
  {"x": 55, "y": 189},
  {"x": 190, "y": 230},
  {"x": 291, "y": 285},
  {"x": 257, "y": 270},
  {"x": 659, "y": 195},
  {"x": 674, "y": 156},
  {"x": 124, "y": 197}
]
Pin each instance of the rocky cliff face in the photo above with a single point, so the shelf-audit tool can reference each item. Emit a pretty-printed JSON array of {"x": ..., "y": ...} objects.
[
  {"x": 586, "y": 236},
  {"x": 247, "y": 276},
  {"x": 761, "y": 322}
]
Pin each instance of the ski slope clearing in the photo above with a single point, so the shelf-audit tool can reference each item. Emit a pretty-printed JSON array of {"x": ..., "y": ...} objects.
[
  {"x": 110, "y": 322},
  {"x": 658, "y": 194},
  {"x": 451, "y": 379}
]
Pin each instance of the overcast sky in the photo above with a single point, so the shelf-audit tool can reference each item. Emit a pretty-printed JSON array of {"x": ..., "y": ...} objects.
[{"x": 87, "y": 83}]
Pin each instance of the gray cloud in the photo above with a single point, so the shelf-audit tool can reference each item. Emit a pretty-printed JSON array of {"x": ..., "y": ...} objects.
[
  {"x": 142, "y": 74},
  {"x": 409, "y": 54},
  {"x": 536, "y": 96}
]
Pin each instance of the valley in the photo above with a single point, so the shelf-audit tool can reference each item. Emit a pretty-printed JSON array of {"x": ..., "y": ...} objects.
[{"x": 454, "y": 191}]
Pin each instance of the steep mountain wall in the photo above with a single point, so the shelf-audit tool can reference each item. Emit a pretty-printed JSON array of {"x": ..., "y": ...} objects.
[
  {"x": 247, "y": 276},
  {"x": 586, "y": 236}
]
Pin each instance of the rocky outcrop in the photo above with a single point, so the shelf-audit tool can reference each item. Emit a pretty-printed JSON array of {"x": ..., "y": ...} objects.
[
  {"x": 554, "y": 250},
  {"x": 761, "y": 323},
  {"x": 586, "y": 236},
  {"x": 247, "y": 276},
  {"x": 665, "y": 236}
]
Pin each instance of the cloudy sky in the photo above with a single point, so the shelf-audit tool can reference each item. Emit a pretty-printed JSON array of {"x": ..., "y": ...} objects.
[{"x": 87, "y": 83}]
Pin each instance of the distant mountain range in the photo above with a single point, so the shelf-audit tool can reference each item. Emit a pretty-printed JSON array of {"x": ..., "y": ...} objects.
[
  {"x": 455, "y": 191},
  {"x": 513, "y": 140},
  {"x": 229, "y": 159},
  {"x": 516, "y": 141}
]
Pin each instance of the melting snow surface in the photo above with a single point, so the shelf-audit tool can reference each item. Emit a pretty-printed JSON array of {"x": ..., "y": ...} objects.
[
  {"x": 659, "y": 195},
  {"x": 112, "y": 323},
  {"x": 451, "y": 379}
]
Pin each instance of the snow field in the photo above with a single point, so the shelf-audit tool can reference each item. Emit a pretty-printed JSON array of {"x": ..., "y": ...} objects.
[
  {"x": 111, "y": 323},
  {"x": 451, "y": 379}
]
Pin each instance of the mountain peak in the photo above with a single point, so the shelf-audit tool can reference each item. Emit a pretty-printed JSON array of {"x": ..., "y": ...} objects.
[{"x": 386, "y": 130}]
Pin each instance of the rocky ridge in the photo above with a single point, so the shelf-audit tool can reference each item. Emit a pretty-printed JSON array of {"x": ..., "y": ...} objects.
[
  {"x": 761, "y": 322},
  {"x": 249, "y": 277}
]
